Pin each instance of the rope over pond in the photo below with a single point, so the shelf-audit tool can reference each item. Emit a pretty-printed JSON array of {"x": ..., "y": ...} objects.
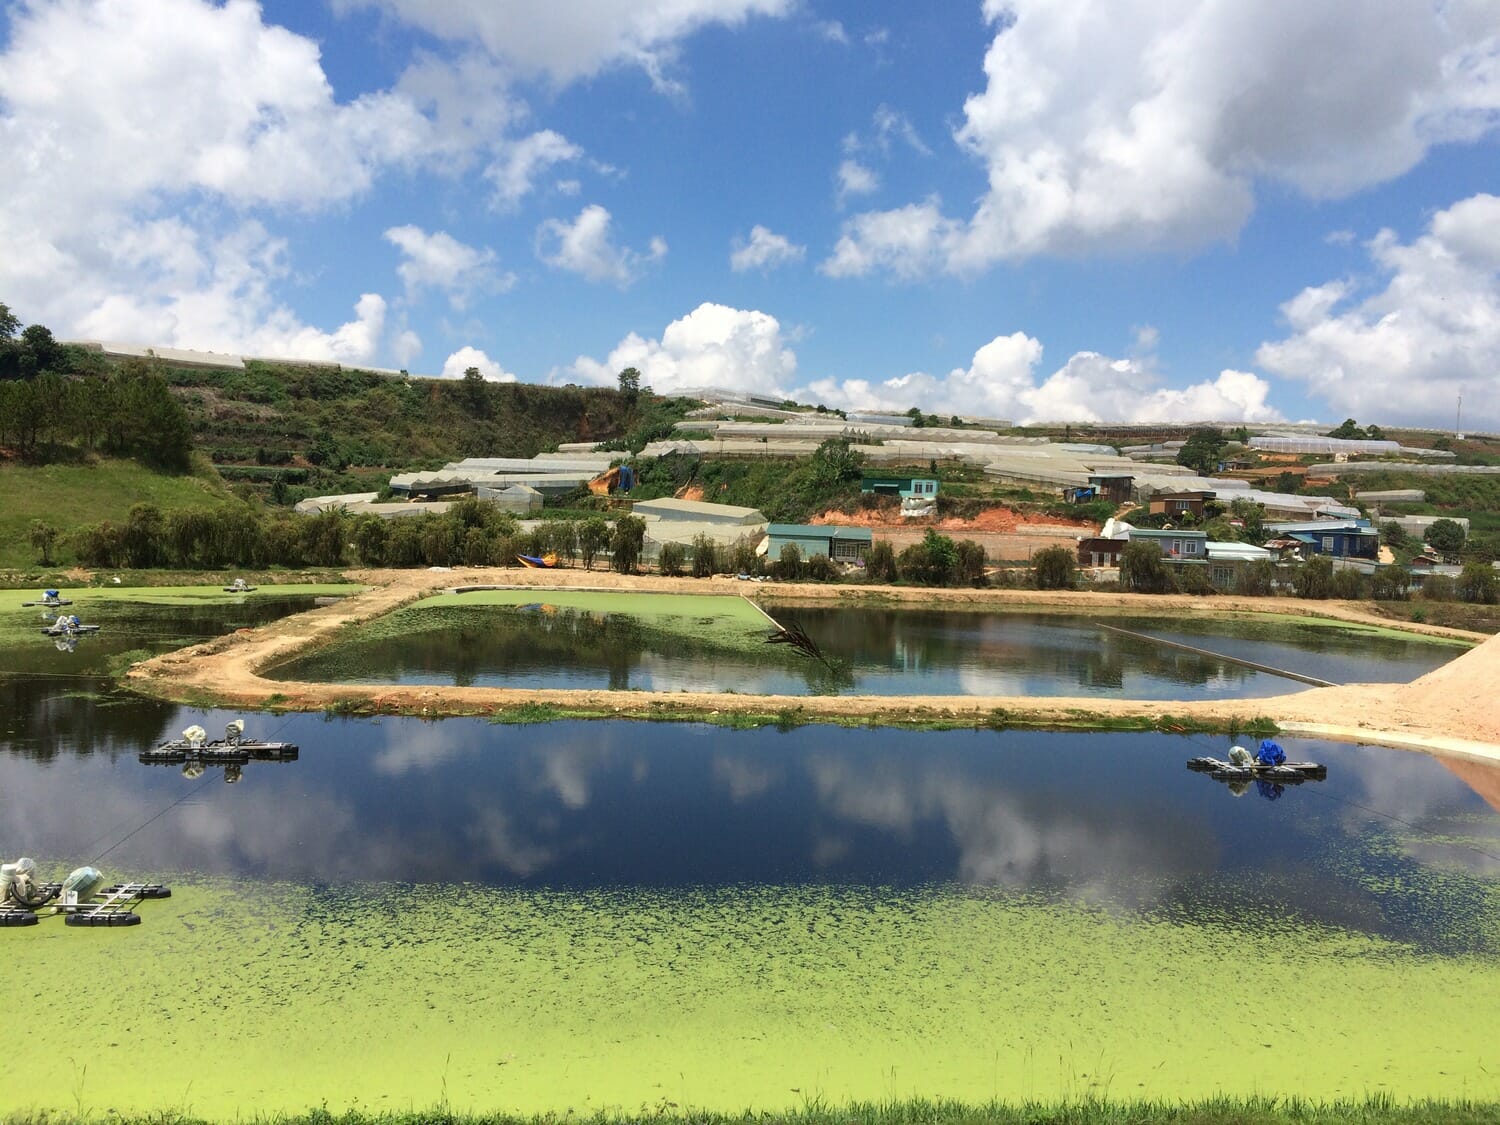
[{"x": 1252, "y": 665}]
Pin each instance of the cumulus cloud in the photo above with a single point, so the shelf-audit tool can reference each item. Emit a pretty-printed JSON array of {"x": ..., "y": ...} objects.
[
  {"x": 405, "y": 348},
  {"x": 515, "y": 173},
  {"x": 112, "y": 114},
  {"x": 468, "y": 356},
  {"x": 893, "y": 125},
  {"x": 1108, "y": 125},
  {"x": 713, "y": 346},
  {"x": 1001, "y": 382},
  {"x": 440, "y": 261},
  {"x": 764, "y": 251},
  {"x": 573, "y": 40},
  {"x": 1406, "y": 351},
  {"x": 585, "y": 247},
  {"x": 856, "y": 179}
]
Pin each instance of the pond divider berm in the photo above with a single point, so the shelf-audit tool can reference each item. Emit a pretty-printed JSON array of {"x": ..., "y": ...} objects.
[
  {"x": 82, "y": 898},
  {"x": 1313, "y": 680}
]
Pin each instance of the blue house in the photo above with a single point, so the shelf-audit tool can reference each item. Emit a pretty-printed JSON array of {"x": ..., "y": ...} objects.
[
  {"x": 841, "y": 544},
  {"x": 1338, "y": 539},
  {"x": 1176, "y": 546}
]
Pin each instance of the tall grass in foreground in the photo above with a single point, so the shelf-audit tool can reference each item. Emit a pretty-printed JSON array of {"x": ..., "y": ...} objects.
[{"x": 1378, "y": 1110}]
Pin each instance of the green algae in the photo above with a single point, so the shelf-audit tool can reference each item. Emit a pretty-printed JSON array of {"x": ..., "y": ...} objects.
[{"x": 241, "y": 998}]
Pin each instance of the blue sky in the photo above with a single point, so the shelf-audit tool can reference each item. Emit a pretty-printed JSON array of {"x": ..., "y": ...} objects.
[{"x": 1098, "y": 209}]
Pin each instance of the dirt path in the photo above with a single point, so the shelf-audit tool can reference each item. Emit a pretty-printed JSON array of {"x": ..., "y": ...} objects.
[{"x": 1451, "y": 711}]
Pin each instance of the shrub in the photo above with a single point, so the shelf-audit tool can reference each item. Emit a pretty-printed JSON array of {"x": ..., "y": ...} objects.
[
  {"x": 820, "y": 568},
  {"x": 1391, "y": 584},
  {"x": 880, "y": 563},
  {"x": 789, "y": 565},
  {"x": 626, "y": 543},
  {"x": 1314, "y": 578},
  {"x": 1054, "y": 568},
  {"x": 931, "y": 562},
  {"x": 743, "y": 559},
  {"x": 970, "y": 564},
  {"x": 1144, "y": 571},
  {"x": 592, "y": 537},
  {"x": 705, "y": 557},
  {"x": 1256, "y": 580},
  {"x": 671, "y": 560},
  {"x": 1439, "y": 588},
  {"x": 1194, "y": 580},
  {"x": 1350, "y": 586},
  {"x": 1479, "y": 584},
  {"x": 476, "y": 547}
]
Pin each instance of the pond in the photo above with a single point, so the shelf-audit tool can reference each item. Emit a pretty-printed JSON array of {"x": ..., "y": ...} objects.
[
  {"x": 581, "y": 644},
  {"x": 606, "y": 914}
]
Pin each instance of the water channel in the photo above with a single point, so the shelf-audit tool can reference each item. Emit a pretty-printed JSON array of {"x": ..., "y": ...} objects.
[{"x": 619, "y": 914}]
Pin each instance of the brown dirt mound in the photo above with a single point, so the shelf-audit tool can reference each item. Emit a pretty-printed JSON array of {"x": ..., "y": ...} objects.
[{"x": 998, "y": 518}]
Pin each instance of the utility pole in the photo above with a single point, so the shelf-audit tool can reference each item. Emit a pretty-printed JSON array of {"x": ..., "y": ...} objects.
[{"x": 1458, "y": 424}]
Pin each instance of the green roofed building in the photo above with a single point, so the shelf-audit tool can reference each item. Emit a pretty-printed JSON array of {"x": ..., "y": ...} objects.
[{"x": 841, "y": 544}]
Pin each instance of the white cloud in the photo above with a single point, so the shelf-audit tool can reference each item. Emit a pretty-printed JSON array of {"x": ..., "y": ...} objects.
[
  {"x": 856, "y": 179},
  {"x": 466, "y": 357},
  {"x": 891, "y": 125},
  {"x": 114, "y": 114},
  {"x": 585, "y": 247},
  {"x": 1405, "y": 352},
  {"x": 514, "y": 174},
  {"x": 440, "y": 261},
  {"x": 405, "y": 348},
  {"x": 832, "y": 30},
  {"x": 574, "y": 40},
  {"x": 764, "y": 251},
  {"x": 1001, "y": 382},
  {"x": 908, "y": 242},
  {"x": 713, "y": 346},
  {"x": 1110, "y": 125}
]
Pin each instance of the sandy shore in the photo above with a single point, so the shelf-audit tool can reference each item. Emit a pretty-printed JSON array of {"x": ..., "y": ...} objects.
[{"x": 1451, "y": 711}]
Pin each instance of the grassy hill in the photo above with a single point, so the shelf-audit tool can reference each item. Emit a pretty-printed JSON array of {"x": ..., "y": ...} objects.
[{"x": 69, "y": 496}]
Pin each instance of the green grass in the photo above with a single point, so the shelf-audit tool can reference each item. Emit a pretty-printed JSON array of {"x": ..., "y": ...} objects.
[
  {"x": 70, "y": 496},
  {"x": 1215, "y": 1111}
]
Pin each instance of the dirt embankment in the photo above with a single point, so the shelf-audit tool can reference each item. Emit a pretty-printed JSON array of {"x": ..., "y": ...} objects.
[
  {"x": 996, "y": 519},
  {"x": 1451, "y": 711}
]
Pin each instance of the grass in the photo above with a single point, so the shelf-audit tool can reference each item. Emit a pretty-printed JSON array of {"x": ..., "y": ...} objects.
[
  {"x": 71, "y": 496},
  {"x": 1215, "y": 1111}
]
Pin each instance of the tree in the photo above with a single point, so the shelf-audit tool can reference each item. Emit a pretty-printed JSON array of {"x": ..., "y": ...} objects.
[
  {"x": 9, "y": 324},
  {"x": 43, "y": 536},
  {"x": 789, "y": 564},
  {"x": 1144, "y": 571},
  {"x": 627, "y": 542},
  {"x": 591, "y": 539},
  {"x": 880, "y": 563},
  {"x": 630, "y": 383},
  {"x": 1446, "y": 537},
  {"x": 1054, "y": 568},
  {"x": 673, "y": 555},
  {"x": 835, "y": 461},
  {"x": 476, "y": 393},
  {"x": 970, "y": 564},
  {"x": 1392, "y": 534},
  {"x": 931, "y": 562},
  {"x": 705, "y": 557},
  {"x": 1252, "y": 515},
  {"x": 1391, "y": 584},
  {"x": 1202, "y": 451},
  {"x": 1479, "y": 584},
  {"x": 1314, "y": 578},
  {"x": 1257, "y": 579}
]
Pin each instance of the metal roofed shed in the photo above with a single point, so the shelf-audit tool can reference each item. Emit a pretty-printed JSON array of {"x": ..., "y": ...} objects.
[
  {"x": 699, "y": 511},
  {"x": 834, "y": 541}
]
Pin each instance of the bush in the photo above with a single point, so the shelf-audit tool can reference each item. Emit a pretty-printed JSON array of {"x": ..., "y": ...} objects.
[
  {"x": 1439, "y": 588},
  {"x": 970, "y": 565},
  {"x": 1194, "y": 580},
  {"x": 880, "y": 563},
  {"x": 705, "y": 557},
  {"x": 626, "y": 543},
  {"x": 1144, "y": 571},
  {"x": 1350, "y": 586},
  {"x": 743, "y": 559},
  {"x": 931, "y": 562},
  {"x": 1314, "y": 579},
  {"x": 1054, "y": 568},
  {"x": 592, "y": 538},
  {"x": 789, "y": 565},
  {"x": 1256, "y": 580},
  {"x": 671, "y": 560},
  {"x": 1479, "y": 584},
  {"x": 1391, "y": 584},
  {"x": 820, "y": 568}
]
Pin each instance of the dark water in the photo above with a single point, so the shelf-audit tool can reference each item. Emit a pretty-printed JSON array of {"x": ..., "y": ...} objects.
[
  {"x": 1393, "y": 843},
  {"x": 878, "y": 652}
]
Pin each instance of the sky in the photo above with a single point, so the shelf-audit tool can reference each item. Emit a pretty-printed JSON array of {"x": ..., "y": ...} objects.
[{"x": 1037, "y": 210}]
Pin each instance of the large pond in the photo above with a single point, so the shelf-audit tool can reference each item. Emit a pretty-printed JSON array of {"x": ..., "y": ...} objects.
[
  {"x": 588, "y": 915},
  {"x": 869, "y": 651}
]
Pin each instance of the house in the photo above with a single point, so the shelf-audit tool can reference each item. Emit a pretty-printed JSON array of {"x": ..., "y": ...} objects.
[
  {"x": 1176, "y": 546},
  {"x": 842, "y": 544},
  {"x": 1176, "y": 503},
  {"x": 1226, "y": 560},
  {"x": 908, "y": 488},
  {"x": 1113, "y": 486},
  {"x": 1338, "y": 539},
  {"x": 1100, "y": 552}
]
